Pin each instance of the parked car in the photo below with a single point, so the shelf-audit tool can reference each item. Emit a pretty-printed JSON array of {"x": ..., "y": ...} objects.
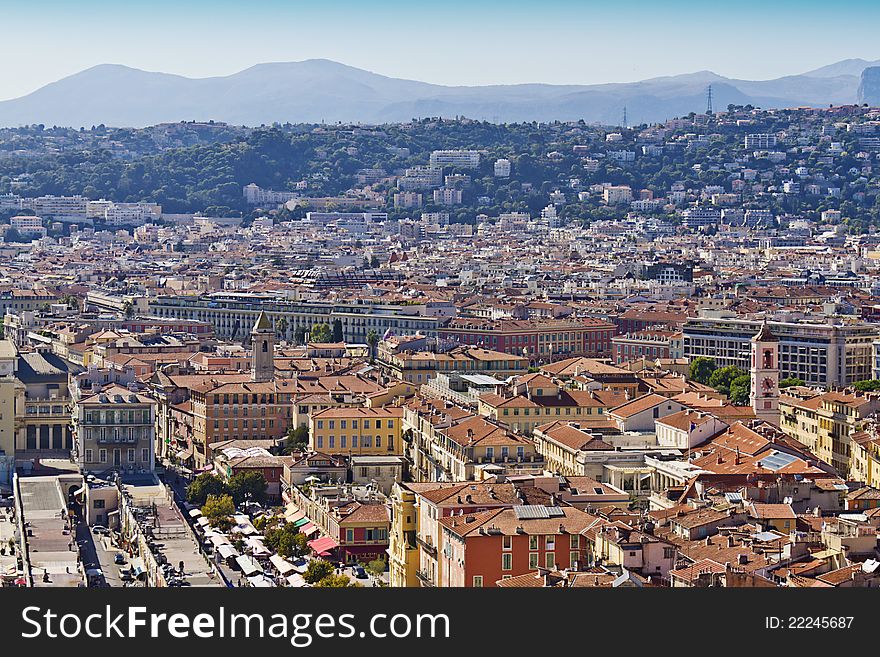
[
  {"x": 119, "y": 558},
  {"x": 360, "y": 573},
  {"x": 100, "y": 529}
]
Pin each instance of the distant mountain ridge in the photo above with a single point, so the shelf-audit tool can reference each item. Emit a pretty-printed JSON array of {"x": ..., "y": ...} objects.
[{"x": 317, "y": 90}]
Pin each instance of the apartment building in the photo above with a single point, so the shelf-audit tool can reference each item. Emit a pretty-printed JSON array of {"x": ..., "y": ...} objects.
[
  {"x": 479, "y": 549},
  {"x": 232, "y": 314},
  {"x": 422, "y": 366},
  {"x": 114, "y": 429},
  {"x": 534, "y": 339},
  {"x": 461, "y": 159},
  {"x": 819, "y": 353},
  {"x": 826, "y": 424},
  {"x": 357, "y": 431}
]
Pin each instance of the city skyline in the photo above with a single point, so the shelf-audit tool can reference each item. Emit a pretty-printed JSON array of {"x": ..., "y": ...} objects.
[{"x": 526, "y": 43}]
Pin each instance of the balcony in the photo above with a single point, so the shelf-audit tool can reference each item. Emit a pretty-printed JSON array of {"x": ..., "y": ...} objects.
[
  {"x": 430, "y": 548},
  {"x": 424, "y": 579}
]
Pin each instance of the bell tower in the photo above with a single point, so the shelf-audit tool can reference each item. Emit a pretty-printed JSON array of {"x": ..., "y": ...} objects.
[
  {"x": 263, "y": 349},
  {"x": 764, "y": 371}
]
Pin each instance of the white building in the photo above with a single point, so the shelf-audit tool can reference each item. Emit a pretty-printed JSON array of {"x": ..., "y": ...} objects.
[
  {"x": 463, "y": 159},
  {"x": 502, "y": 168}
]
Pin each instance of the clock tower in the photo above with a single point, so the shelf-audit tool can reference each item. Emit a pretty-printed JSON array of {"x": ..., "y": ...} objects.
[{"x": 764, "y": 373}]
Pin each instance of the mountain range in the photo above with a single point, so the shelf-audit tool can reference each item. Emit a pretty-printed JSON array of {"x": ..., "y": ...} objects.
[{"x": 317, "y": 90}]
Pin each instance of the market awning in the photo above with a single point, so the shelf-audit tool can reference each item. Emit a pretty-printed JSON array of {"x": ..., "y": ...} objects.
[
  {"x": 248, "y": 566},
  {"x": 309, "y": 529},
  {"x": 296, "y": 580},
  {"x": 194, "y": 513},
  {"x": 296, "y": 515},
  {"x": 226, "y": 551},
  {"x": 282, "y": 565},
  {"x": 185, "y": 454},
  {"x": 301, "y": 522},
  {"x": 261, "y": 581},
  {"x": 323, "y": 544}
]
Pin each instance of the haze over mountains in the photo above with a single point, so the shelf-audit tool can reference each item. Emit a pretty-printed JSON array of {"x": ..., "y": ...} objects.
[{"x": 318, "y": 90}]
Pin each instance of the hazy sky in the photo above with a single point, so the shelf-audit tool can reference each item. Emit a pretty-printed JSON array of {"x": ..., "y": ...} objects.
[{"x": 448, "y": 42}]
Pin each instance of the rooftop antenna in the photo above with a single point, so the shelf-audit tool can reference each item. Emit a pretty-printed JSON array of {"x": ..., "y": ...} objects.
[
  {"x": 709, "y": 100},
  {"x": 624, "y": 116}
]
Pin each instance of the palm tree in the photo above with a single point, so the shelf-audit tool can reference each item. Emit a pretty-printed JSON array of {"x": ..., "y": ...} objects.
[{"x": 372, "y": 340}]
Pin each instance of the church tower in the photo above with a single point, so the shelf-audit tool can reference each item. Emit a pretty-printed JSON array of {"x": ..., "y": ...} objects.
[
  {"x": 263, "y": 349},
  {"x": 764, "y": 373}
]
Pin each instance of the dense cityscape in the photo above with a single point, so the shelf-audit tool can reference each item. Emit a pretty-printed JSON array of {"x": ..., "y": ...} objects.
[{"x": 443, "y": 353}]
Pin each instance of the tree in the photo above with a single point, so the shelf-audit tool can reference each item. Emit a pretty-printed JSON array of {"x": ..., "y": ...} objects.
[
  {"x": 281, "y": 327},
  {"x": 739, "y": 390},
  {"x": 297, "y": 439},
  {"x": 249, "y": 485},
  {"x": 373, "y": 341},
  {"x": 701, "y": 369},
  {"x": 204, "y": 485},
  {"x": 321, "y": 333},
  {"x": 287, "y": 540},
  {"x": 867, "y": 385},
  {"x": 376, "y": 567},
  {"x": 791, "y": 381},
  {"x": 317, "y": 570},
  {"x": 299, "y": 334},
  {"x": 721, "y": 378},
  {"x": 337, "y": 582},
  {"x": 337, "y": 330},
  {"x": 218, "y": 509}
]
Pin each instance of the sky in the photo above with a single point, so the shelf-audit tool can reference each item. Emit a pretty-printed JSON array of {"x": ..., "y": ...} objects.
[{"x": 469, "y": 42}]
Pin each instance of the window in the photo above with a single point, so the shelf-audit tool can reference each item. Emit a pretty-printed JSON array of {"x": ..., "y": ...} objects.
[
  {"x": 320, "y": 442},
  {"x": 88, "y": 456},
  {"x": 549, "y": 559},
  {"x": 99, "y": 504},
  {"x": 478, "y": 581},
  {"x": 145, "y": 455},
  {"x": 533, "y": 542},
  {"x": 131, "y": 456},
  {"x": 549, "y": 542},
  {"x": 572, "y": 558},
  {"x": 507, "y": 561},
  {"x": 575, "y": 541},
  {"x": 102, "y": 455},
  {"x": 507, "y": 542},
  {"x": 349, "y": 536},
  {"x": 533, "y": 560}
]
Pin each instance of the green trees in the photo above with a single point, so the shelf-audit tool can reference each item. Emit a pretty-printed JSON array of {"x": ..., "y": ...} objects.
[
  {"x": 868, "y": 385},
  {"x": 337, "y": 582},
  {"x": 376, "y": 567},
  {"x": 321, "y": 333},
  {"x": 739, "y": 390},
  {"x": 721, "y": 378},
  {"x": 218, "y": 509},
  {"x": 248, "y": 486},
  {"x": 297, "y": 439},
  {"x": 373, "y": 341},
  {"x": 204, "y": 485},
  {"x": 317, "y": 570},
  {"x": 791, "y": 381},
  {"x": 337, "y": 330},
  {"x": 286, "y": 540},
  {"x": 281, "y": 327},
  {"x": 701, "y": 369}
]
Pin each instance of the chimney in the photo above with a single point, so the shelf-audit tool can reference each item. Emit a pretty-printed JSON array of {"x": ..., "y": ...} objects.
[{"x": 736, "y": 461}]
